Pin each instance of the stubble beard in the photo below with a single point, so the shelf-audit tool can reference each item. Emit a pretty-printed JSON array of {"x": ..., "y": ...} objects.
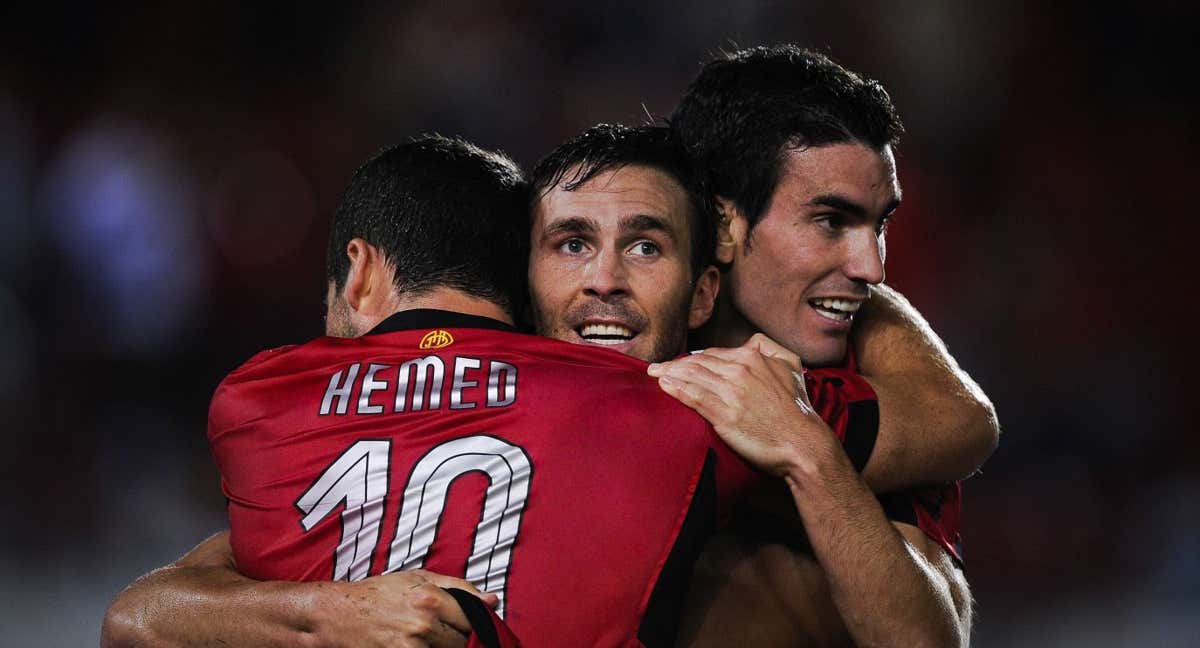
[{"x": 337, "y": 320}]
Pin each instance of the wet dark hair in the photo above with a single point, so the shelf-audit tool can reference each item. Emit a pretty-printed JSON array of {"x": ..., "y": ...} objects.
[
  {"x": 445, "y": 213},
  {"x": 747, "y": 108},
  {"x": 606, "y": 147}
]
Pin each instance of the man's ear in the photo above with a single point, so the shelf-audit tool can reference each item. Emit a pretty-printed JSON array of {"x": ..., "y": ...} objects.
[
  {"x": 704, "y": 297},
  {"x": 369, "y": 286},
  {"x": 731, "y": 230}
]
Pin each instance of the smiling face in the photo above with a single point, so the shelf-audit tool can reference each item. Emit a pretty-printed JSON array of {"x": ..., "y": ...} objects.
[
  {"x": 805, "y": 268},
  {"x": 609, "y": 264}
]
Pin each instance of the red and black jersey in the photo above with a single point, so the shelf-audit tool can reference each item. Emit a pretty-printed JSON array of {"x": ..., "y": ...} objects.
[
  {"x": 936, "y": 510},
  {"x": 557, "y": 476}
]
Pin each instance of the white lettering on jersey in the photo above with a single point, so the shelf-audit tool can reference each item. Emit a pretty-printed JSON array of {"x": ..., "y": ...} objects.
[{"x": 342, "y": 393}]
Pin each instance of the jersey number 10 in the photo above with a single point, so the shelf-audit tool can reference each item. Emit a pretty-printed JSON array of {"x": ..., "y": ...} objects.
[{"x": 359, "y": 480}]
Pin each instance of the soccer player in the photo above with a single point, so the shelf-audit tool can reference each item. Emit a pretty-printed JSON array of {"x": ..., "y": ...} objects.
[{"x": 799, "y": 152}]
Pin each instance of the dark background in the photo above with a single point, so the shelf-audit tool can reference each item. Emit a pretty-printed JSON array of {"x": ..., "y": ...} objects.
[{"x": 167, "y": 172}]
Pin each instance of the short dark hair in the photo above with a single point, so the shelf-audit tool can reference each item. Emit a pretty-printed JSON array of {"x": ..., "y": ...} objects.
[
  {"x": 607, "y": 147},
  {"x": 445, "y": 213},
  {"x": 746, "y": 108}
]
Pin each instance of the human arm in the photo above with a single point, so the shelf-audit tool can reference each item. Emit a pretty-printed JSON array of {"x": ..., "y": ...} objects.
[
  {"x": 758, "y": 406},
  {"x": 935, "y": 425},
  {"x": 751, "y": 586},
  {"x": 201, "y": 600}
]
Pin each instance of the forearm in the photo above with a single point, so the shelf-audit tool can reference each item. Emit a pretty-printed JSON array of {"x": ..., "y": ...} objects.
[
  {"x": 886, "y": 592},
  {"x": 936, "y": 424},
  {"x": 203, "y": 601}
]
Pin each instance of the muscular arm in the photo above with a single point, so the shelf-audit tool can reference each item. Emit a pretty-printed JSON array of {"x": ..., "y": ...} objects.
[
  {"x": 201, "y": 600},
  {"x": 891, "y": 587},
  {"x": 935, "y": 425},
  {"x": 885, "y": 590}
]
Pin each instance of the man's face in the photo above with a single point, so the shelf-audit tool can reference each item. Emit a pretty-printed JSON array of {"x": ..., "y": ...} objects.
[
  {"x": 609, "y": 264},
  {"x": 804, "y": 270}
]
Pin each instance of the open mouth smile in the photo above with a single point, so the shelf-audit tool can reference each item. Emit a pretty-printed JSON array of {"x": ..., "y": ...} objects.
[
  {"x": 605, "y": 334},
  {"x": 839, "y": 310}
]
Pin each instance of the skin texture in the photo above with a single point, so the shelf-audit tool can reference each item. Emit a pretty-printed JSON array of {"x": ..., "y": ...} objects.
[
  {"x": 616, "y": 251},
  {"x": 821, "y": 236}
]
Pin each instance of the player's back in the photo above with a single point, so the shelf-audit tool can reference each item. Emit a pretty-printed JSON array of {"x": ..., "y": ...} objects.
[{"x": 556, "y": 476}]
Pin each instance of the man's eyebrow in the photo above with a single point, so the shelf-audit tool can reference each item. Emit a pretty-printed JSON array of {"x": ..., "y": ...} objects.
[
  {"x": 573, "y": 225},
  {"x": 841, "y": 203},
  {"x": 646, "y": 223}
]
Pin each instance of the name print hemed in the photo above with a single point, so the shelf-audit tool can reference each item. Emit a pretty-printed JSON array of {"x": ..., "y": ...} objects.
[{"x": 418, "y": 385}]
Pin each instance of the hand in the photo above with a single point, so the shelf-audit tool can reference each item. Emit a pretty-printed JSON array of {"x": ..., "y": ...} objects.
[
  {"x": 408, "y": 609},
  {"x": 754, "y": 396}
]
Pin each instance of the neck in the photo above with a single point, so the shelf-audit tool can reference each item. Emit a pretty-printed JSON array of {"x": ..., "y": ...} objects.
[
  {"x": 726, "y": 327},
  {"x": 449, "y": 299}
]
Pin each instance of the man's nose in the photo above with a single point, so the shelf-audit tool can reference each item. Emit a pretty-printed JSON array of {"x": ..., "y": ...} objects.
[
  {"x": 607, "y": 276},
  {"x": 865, "y": 258}
]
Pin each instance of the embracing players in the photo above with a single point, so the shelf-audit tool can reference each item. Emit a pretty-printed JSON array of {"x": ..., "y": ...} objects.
[{"x": 625, "y": 297}]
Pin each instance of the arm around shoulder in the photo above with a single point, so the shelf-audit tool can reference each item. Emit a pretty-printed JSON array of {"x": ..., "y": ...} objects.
[
  {"x": 936, "y": 423},
  {"x": 201, "y": 600}
]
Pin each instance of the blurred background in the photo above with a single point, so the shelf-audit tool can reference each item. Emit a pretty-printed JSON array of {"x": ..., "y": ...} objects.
[{"x": 167, "y": 171}]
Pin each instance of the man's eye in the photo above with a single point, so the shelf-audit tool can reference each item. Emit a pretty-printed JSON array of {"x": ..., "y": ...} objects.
[
  {"x": 832, "y": 222},
  {"x": 644, "y": 248},
  {"x": 572, "y": 246}
]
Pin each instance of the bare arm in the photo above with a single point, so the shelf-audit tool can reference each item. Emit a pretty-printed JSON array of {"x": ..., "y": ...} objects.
[
  {"x": 886, "y": 592},
  {"x": 891, "y": 584},
  {"x": 935, "y": 425},
  {"x": 751, "y": 588},
  {"x": 201, "y": 600}
]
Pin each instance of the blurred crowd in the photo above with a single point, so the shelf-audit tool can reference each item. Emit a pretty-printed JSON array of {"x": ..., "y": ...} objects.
[{"x": 167, "y": 173}]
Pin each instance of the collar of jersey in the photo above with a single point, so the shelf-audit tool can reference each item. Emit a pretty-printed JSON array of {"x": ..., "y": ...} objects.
[{"x": 425, "y": 318}]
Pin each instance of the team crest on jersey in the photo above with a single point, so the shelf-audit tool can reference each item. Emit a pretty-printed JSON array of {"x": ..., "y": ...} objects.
[{"x": 437, "y": 339}]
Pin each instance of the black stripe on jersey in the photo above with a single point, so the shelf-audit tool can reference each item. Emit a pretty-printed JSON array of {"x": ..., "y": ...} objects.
[
  {"x": 422, "y": 318},
  {"x": 476, "y": 613},
  {"x": 862, "y": 429},
  {"x": 660, "y": 624}
]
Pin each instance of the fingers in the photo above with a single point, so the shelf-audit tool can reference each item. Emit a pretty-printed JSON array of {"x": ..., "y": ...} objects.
[
  {"x": 449, "y": 581},
  {"x": 693, "y": 388},
  {"x": 742, "y": 366},
  {"x": 439, "y": 617},
  {"x": 703, "y": 368}
]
